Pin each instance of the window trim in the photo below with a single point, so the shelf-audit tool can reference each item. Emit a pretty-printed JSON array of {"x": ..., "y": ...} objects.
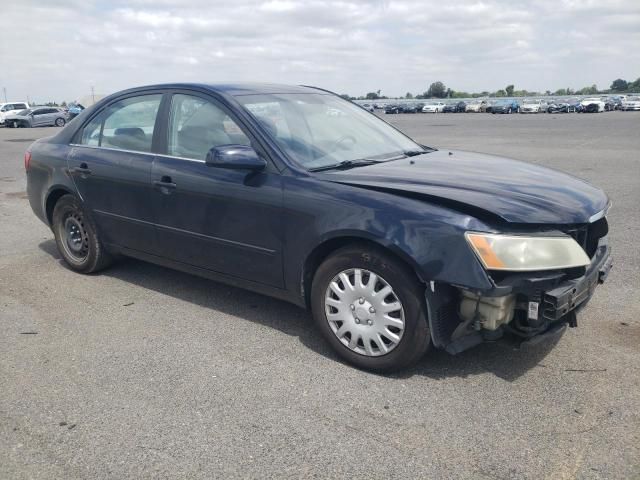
[
  {"x": 275, "y": 158},
  {"x": 76, "y": 139},
  {"x": 265, "y": 150},
  {"x": 226, "y": 111}
]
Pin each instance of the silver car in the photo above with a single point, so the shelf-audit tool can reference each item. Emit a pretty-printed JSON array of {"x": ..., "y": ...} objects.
[{"x": 37, "y": 117}]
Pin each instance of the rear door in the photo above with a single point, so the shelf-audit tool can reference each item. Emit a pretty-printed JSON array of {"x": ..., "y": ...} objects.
[
  {"x": 227, "y": 221},
  {"x": 110, "y": 164},
  {"x": 49, "y": 116}
]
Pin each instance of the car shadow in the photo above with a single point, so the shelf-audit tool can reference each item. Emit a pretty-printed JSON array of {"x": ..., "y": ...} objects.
[{"x": 498, "y": 358}]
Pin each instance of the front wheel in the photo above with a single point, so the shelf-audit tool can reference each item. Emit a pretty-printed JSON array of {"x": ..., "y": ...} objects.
[
  {"x": 77, "y": 238},
  {"x": 370, "y": 307},
  {"x": 60, "y": 122}
]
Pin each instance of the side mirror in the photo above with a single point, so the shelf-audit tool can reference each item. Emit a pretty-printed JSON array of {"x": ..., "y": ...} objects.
[{"x": 237, "y": 157}]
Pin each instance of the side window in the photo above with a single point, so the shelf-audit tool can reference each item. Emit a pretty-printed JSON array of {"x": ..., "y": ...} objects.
[
  {"x": 20, "y": 106},
  {"x": 39, "y": 112},
  {"x": 91, "y": 132},
  {"x": 128, "y": 124},
  {"x": 197, "y": 125}
]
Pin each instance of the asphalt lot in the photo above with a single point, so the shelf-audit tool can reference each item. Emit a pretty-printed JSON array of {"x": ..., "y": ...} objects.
[{"x": 143, "y": 372}]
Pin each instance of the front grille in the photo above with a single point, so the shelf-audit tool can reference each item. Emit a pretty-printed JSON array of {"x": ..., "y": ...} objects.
[{"x": 588, "y": 236}]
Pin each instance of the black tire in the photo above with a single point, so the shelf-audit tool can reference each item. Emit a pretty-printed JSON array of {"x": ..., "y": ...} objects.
[
  {"x": 416, "y": 337},
  {"x": 93, "y": 256},
  {"x": 60, "y": 122}
]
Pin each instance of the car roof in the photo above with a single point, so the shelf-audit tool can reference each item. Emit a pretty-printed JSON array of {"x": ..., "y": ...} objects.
[{"x": 238, "y": 89}]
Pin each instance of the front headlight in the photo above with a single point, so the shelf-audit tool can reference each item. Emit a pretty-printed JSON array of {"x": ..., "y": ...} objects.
[{"x": 521, "y": 254}]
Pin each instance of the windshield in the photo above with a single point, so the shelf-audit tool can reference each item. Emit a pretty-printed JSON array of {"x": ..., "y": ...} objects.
[{"x": 319, "y": 130}]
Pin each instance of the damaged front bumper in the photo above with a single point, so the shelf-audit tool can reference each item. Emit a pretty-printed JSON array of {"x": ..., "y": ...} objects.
[{"x": 529, "y": 307}]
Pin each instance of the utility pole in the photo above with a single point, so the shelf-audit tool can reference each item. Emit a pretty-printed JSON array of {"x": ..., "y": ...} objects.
[
  {"x": 4, "y": 89},
  {"x": 93, "y": 95}
]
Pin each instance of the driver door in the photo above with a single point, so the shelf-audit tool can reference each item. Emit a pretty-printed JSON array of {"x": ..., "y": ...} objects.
[{"x": 226, "y": 221}]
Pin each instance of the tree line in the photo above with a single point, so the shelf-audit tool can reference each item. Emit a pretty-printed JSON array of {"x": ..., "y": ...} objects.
[{"x": 439, "y": 90}]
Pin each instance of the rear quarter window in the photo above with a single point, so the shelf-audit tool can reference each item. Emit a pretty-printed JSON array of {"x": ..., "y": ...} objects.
[{"x": 125, "y": 125}]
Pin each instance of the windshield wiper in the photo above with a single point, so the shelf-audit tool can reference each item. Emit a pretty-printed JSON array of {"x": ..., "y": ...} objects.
[
  {"x": 345, "y": 164},
  {"x": 413, "y": 153}
]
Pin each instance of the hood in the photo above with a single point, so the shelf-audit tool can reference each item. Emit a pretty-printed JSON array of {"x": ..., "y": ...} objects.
[{"x": 514, "y": 191}]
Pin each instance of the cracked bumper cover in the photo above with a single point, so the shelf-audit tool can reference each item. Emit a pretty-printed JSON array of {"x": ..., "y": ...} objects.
[{"x": 574, "y": 294}]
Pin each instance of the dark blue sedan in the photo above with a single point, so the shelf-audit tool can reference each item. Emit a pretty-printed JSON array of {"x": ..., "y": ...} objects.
[
  {"x": 301, "y": 195},
  {"x": 507, "y": 105}
]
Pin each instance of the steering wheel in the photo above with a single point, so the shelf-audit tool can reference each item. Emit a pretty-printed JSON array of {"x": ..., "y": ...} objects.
[{"x": 339, "y": 143}]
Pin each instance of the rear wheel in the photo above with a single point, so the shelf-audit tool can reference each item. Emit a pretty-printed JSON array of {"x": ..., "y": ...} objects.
[
  {"x": 77, "y": 238},
  {"x": 370, "y": 308}
]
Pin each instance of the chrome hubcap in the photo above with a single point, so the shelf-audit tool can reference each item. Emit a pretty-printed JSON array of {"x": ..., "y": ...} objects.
[{"x": 364, "y": 312}]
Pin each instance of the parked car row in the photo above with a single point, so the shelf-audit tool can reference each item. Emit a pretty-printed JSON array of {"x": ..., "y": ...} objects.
[{"x": 514, "y": 105}]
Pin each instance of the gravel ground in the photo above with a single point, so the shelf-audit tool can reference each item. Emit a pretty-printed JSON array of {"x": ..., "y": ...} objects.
[{"x": 143, "y": 372}]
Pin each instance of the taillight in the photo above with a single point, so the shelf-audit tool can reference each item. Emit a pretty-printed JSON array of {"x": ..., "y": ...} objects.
[{"x": 27, "y": 159}]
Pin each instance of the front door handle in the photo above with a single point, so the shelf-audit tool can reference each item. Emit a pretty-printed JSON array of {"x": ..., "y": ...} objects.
[{"x": 165, "y": 184}]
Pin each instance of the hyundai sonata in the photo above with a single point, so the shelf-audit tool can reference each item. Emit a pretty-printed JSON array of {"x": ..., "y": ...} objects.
[{"x": 298, "y": 194}]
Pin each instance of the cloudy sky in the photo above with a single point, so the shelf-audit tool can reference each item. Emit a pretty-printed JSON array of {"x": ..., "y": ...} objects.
[{"x": 57, "y": 49}]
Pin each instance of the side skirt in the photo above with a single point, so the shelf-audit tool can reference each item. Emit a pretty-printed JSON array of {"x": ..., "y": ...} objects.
[{"x": 260, "y": 288}]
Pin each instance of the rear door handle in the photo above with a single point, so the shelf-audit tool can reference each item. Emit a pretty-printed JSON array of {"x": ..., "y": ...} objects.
[{"x": 83, "y": 169}]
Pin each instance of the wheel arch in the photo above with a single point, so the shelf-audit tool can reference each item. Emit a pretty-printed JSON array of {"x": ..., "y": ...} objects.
[
  {"x": 329, "y": 245},
  {"x": 54, "y": 194}
]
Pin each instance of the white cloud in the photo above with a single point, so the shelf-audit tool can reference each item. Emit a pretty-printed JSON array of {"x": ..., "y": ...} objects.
[{"x": 350, "y": 46}]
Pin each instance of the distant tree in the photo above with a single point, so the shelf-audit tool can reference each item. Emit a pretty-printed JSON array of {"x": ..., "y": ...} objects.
[
  {"x": 547, "y": 93},
  {"x": 593, "y": 89},
  {"x": 509, "y": 90},
  {"x": 634, "y": 86},
  {"x": 409, "y": 95},
  {"x": 619, "y": 85},
  {"x": 560, "y": 92},
  {"x": 63, "y": 104},
  {"x": 570, "y": 91},
  {"x": 373, "y": 95},
  {"x": 437, "y": 90},
  {"x": 500, "y": 93}
]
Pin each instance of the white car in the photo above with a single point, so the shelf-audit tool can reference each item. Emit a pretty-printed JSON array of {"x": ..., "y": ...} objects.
[
  {"x": 476, "y": 106},
  {"x": 631, "y": 103},
  {"x": 596, "y": 101},
  {"x": 435, "y": 107},
  {"x": 534, "y": 106},
  {"x": 11, "y": 108}
]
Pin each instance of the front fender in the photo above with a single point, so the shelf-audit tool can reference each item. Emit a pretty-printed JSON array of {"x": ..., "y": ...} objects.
[{"x": 428, "y": 237}]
